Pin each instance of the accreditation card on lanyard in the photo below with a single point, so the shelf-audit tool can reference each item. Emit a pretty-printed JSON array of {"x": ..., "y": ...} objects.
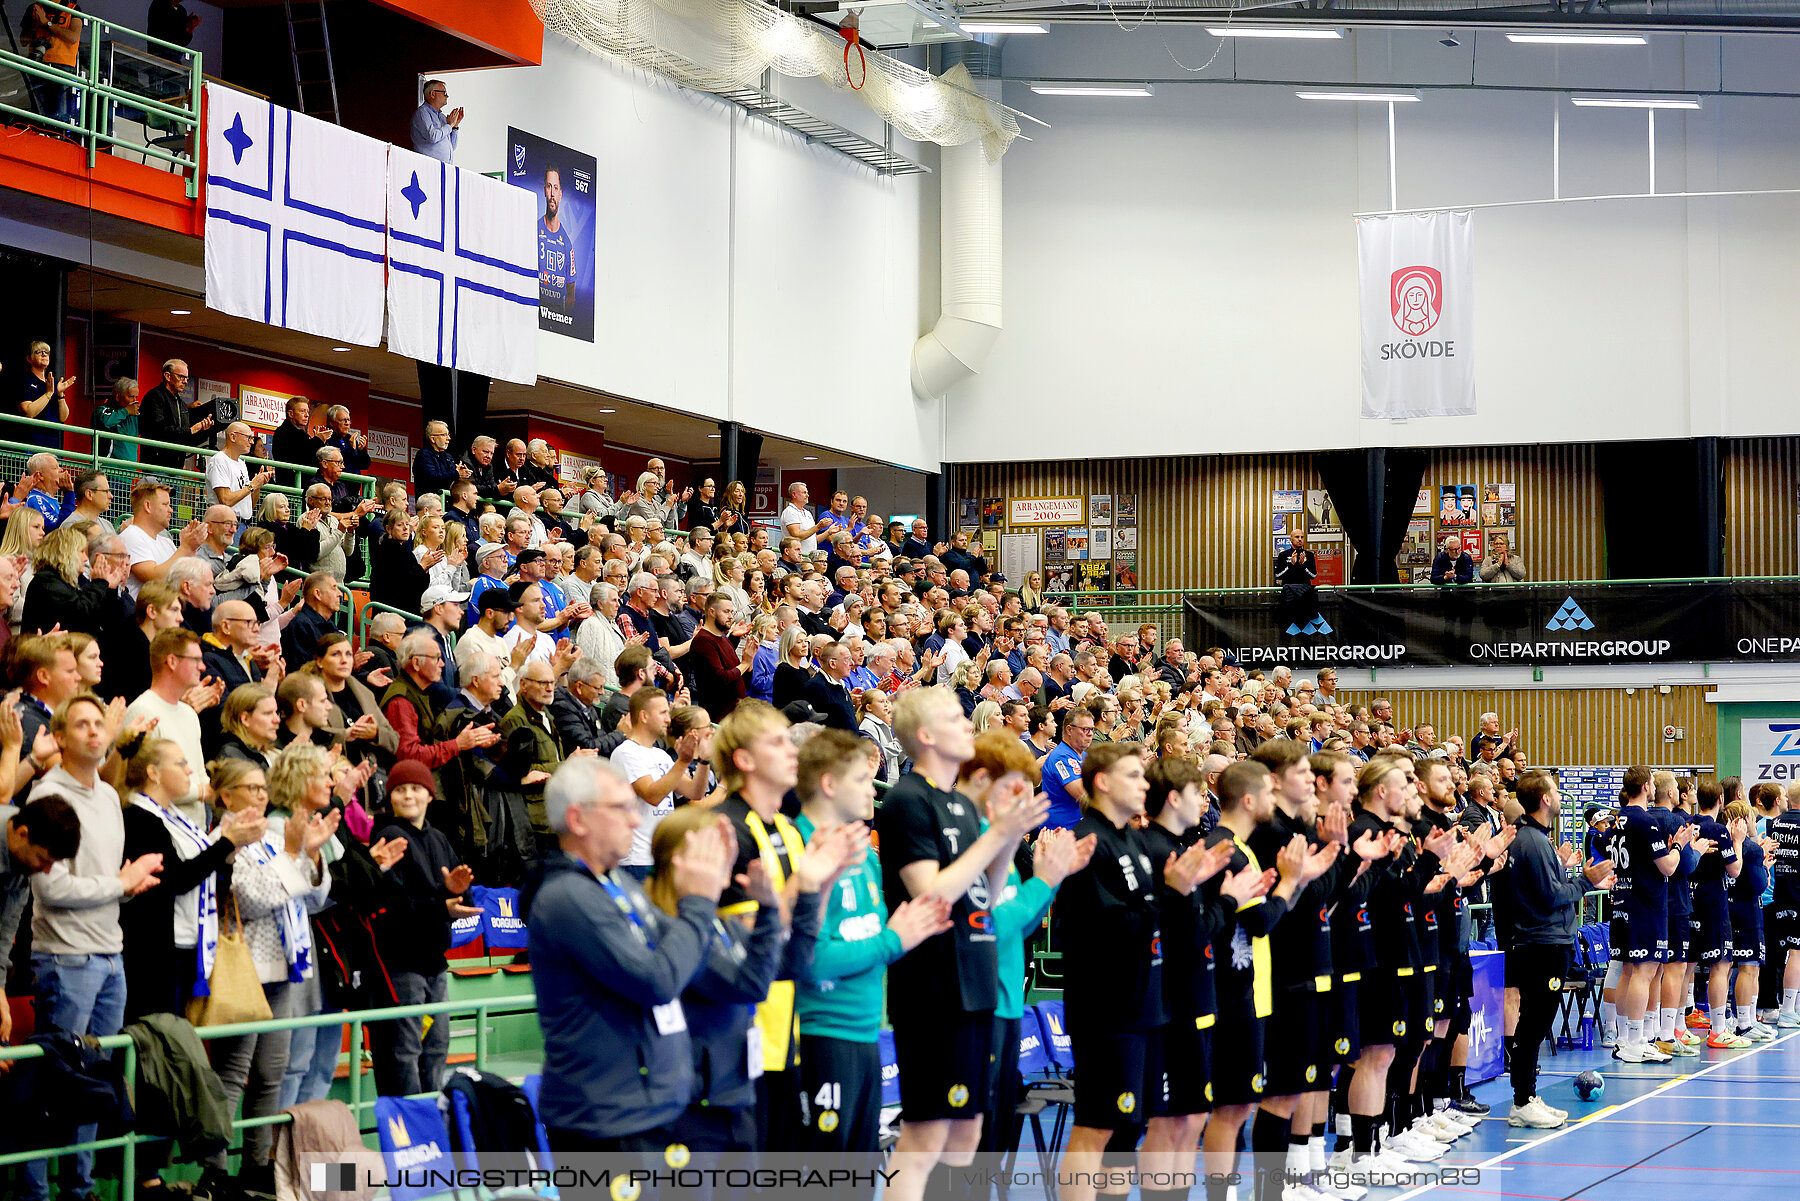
[{"x": 669, "y": 1016}]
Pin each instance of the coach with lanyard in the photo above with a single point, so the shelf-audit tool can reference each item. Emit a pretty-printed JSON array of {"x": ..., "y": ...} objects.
[{"x": 611, "y": 968}]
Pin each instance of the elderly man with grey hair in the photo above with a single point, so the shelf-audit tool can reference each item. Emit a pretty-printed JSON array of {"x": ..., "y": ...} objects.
[
  {"x": 573, "y": 712},
  {"x": 381, "y": 643},
  {"x": 355, "y": 446},
  {"x": 221, "y": 532},
  {"x": 49, "y": 485},
  {"x": 193, "y": 579},
  {"x": 539, "y": 468}
]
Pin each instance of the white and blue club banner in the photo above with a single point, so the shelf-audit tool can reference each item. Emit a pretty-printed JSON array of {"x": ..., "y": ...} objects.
[
  {"x": 463, "y": 278},
  {"x": 1418, "y": 315},
  {"x": 296, "y": 219}
]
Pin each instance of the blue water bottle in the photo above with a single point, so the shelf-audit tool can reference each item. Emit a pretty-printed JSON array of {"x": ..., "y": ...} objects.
[{"x": 1587, "y": 1032}]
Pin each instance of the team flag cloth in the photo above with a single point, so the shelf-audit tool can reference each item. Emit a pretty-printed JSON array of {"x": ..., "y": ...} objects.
[
  {"x": 1418, "y": 327},
  {"x": 463, "y": 283},
  {"x": 296, "y": 219}
]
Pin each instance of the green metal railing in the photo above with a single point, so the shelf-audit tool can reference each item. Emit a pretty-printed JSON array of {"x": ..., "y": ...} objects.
[
  {"x": 100, "y": 99},
  {"x": 356, "y": 1019}
]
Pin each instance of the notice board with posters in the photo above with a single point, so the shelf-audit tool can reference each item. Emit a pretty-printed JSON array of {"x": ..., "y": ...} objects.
[{"x": 563, "y": 180}]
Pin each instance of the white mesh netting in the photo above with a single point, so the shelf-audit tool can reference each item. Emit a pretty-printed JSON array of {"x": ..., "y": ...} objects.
[{"x": 717, "y": 45}]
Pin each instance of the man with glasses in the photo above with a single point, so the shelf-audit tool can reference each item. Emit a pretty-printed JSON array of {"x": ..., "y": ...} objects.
[
  {"x": 230, "y": 480},
  {"x": 147, "y": 539},
  {"x": 434, "y": 131},
  {"x": 413, "y": 714},
  {"x": 177, "y": 668},
  {"x": 93, "y": 500},
  {"x": 343, "y": 492},
  {"x": 221, "y": 532},
  {"x": 1062, "y": 770},
  {"x": 164, "y": 416}
]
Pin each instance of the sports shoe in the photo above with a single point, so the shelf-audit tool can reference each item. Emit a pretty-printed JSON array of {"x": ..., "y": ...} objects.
[
  {"x": 1337, "y": 1183},
  {"x": 1664, "y": 1047},
  {"x": 1760, "y": 1032},
  {"x": 1682, "y": 1047},
  {"x": 1384, "y": 1169},
  {"x": 1456, "y": 1118},
  {"x": 1609, "y": 1037},
  {"x": 1420, "y": 1148},
  {"x": 1640, "y": 1053},
  {"x": 1724, "y": 1040},
  {"x": 1689, "y": 1037},
  {"x": 1561, "y": 1113},
  {"x": 1787, "y": 1021},
  {"x": 1535, "y": 1115},
  {"x": 1437, "y": 1128},
  {"x": 1470, "y": 1107},
  {"x": 1698, "y": 1021}
]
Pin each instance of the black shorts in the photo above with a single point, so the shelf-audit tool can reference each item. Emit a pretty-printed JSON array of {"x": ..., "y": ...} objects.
[
  {"x": 1346, "y": 1033},
  {"x": 944, "y": 1062},
  {"x": 1640, "y": 935},
  {"x": 1535, "y": 969},
  {"x": 1709, "y": 936},
  {"x": 1415, "y": 1001},
  {"x": 1238, "y": 1055},
  {"x": 1187, "y": 1070},
  {"x": 1747, "y": 935},
  {"x": 1295, "y": 1060},
  {"x": 1461, "y": 981},
  {"x": 1118, "y": 1078},
  {"x": 1380, "y": 1009},
  {"x": 1782, "y": 933},
  {"x": 1680, "y": 950},
  {"x": 841, "y": 1086}
]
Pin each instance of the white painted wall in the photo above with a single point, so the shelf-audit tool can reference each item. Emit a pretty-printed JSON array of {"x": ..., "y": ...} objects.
[
  {"x": 1188, "y": 261},
  {"x": 745, "y": 275}
]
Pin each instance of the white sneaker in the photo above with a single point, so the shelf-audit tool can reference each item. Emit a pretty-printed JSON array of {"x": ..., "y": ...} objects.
[
  {"x": 1335, "y": 1182},
  {"x": 1534, "y": 1114},
  {"x": 1561, "y": 1113},
  {"x": 1384, "y": 1169},
  {"x": 1758, "y": 1033},
  {"x": 1641, "y": 1053},
  {"x": 1434, "y": 1127},
  {"x": 1787, "y": 1021},
  {"x": 1463, "y": 1121},
  {"x": 1420, "y": 1148}
]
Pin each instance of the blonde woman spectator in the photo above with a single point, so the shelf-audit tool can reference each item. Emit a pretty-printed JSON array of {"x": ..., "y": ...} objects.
[
  {"x": 434, "y": 536},
  {"x": 728, "y": 577},
  {"x": 593, "y": 497},
  {"x": 985, "y": 713},
  {"x": 1502, "y": 564},
  {"x": 1031, "y": 592}
]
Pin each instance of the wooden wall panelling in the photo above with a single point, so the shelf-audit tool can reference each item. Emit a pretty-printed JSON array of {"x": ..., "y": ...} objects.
[
  {"x": 1762, "y": 505},
  {"x": 1560, "y": 526},
  {"x": 1570, "y": 726}
]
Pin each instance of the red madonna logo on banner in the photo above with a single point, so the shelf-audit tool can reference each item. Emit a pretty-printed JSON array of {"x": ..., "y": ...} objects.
[{"x": 1416, "y": 296}]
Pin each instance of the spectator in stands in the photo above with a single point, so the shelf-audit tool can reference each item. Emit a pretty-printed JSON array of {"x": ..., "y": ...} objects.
[
  {"x": 344, "y": 494},
  {"x": 355, "y": 718},
  {"x": 594, "y": 497},
  {"x": 76, "y": 940},
  {"x": 146, "y": 537},
  {"x": 427, "y": 892},
  {"x": 165, "y": 417},
  {"x": 334, "y": 537},
  {"x": 509, "y": 472},
  {"x": 175, "y": 696},
  {"x": 46, "y": 487},
  {"x": 275, "y": 881},
  {"x": 36, "y": 389},
  {"x": 539, "y": 468},
  {"x": 294, "y": 440},
  {"x": 1452, "y": 564},
  {"x": 193, "y": 581},
  {"x": 532, "y": 750},
  {"x": 249, "y": 724},
  {"x": 576, "y": 720},
  {"x": 229, "y": 479},
  {"x": 397, "y": 578},
  {"x": 442, "y": 552},
  {"x": 47, "y": 676},
  {"x": 232, "y": 651},
  {"x": 827, "y": 692},
  {"x": 718, "y": 671},
  {"x": 59, "y": 592},
  {"x": 352, "y": 445},
  {"x": 170, "y": 21},
  {"x": 495, "y": 609},
  {"x": 381, "y": 645},
  {"x": 297, "y": 541},
  {"x": 798, "y": 522},
  {"x": 120, "y": 416},
  {"x": 483, "y": 471},
  {"x": 435, "y": 469},
  {"x": 1502, "y": 564},
  {"x": 434, "y": 131},
  {"x": 413, "y": 714},
  {"x": 221, "y": 532},
  {"x": 321, "y": 595}
]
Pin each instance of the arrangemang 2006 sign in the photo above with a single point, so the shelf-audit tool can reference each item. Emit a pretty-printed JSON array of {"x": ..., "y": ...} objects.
[{"x": 1722, "y": 621}]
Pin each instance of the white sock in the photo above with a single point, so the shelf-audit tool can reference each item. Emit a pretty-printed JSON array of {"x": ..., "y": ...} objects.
[
  {"x": 1688, "y": 996},
  {"x": 1669, "y": 1017},
  {"x": 1745, "y": 1025},
  {"x": 1298, "y": 1161},
  {"x": 1315, "y": 1150},
  {"x": 1634, "y": 1033},
  {"x": 1609, "y": 1016},
  {"x": 1789, "y": 998}
]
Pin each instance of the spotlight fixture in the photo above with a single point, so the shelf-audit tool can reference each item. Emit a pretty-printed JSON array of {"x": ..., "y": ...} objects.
[
  {"x": 1449, "y": 40},
  {"x": 181, "y": 312}
]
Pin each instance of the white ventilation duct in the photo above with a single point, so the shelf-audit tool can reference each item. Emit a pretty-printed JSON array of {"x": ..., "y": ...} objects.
[{"x": 969, "y": 244}]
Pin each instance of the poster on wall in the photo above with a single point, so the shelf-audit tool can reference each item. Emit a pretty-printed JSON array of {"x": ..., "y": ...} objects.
[
  {"x": 563, "y": 181},
  {"x": 968, "y": 513},
  {"x": 265, "y": 410},
  {"x": 1055, "y": 546},
  {"x": 1769, "y": 751},
  {"x": 990, "y": 545},
  {"x": 1330, "y": 559},
  {"x": 1059, "y": 579},
  {"x": 1456, "y": 507},
  {"x": 1125, "y": 539},
  {"x": 1018, "y": 557},
  {"x": 1497, "y": 504},
  {"x": 1416, "y": 548},
  {"x": 1471, "y": 544},
  {"x": 1094, "y": 576},
  {"x": 993, "y": 512},
  {"x": 1100, "y": 542},
  {"x": 1125, "y": 509},
  {"x": 569, "y": 468},
  {"x": 1290, "y": 500},
  {"x": 1046, "y": 510},
  {"x": 1321, "y": 514},
  {"x": 1422, "y": 503},
  {"x": 390, "y": 446},
  {"x": 1075, "y": 543},
  {"x": 1100, "y": 509},
  {"x": 112, "y": 356},
  {"x": 1125, "y": 571}
]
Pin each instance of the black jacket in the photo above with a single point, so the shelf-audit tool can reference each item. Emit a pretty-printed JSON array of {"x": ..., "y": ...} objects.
[
  {"x": 413, "y": 931},
  {"x": 164, "y": 416},
  {"x": 300, "y": 640},
  {"x": 290, "y": 445},
  {"x": 158, "y": 976},
  {"x": 720, "y": 1001},
  {"x": 578, "y": 725},
  {"x": 833, "y": 700},
  {"x": 395, "y": 577},
  {"x": 89, "y": 609},
  {"x": 433, "y": 471},
  {"x": 298, "y": 543}
]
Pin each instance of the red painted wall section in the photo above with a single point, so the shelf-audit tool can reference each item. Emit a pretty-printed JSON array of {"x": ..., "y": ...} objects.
[
  {"x": 507, "y": 27},
  {"x": 56, "y": 169}
]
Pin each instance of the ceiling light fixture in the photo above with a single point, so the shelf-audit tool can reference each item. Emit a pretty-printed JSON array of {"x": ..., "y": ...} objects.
[
  {"x": 1297, "y": 32},
  {"x": 609, "y": 410},
  {"x": 340, "y": 350},
  {"x": 1389, "y": 97},
  {"x": 1578, "y": 39},
  {"x": 181, "y": 312},
  {"x": 1003, "y": 27},
  {"x": 1059, "y": 88},
  {"x": 809, "y": 458},
  {"x": 1687, "y": 102},
  {"x": 712, "y": 435},
  {"x": 1450, "y": 40}
]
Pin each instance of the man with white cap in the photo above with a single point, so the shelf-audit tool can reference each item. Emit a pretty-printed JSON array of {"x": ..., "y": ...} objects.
[
  {"x": 441, "y": 612},
  {"x": 490, "y": 561}
]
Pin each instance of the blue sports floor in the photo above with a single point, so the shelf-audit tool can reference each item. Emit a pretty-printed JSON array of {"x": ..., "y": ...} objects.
[{"x": 1725, "y": 1124}]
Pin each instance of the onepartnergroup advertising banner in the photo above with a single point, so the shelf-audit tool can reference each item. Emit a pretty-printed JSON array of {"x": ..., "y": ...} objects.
[
  {"x": 563, "y": 181},
  {"x": 1539, "y": 625},
  {"x": 1418, "y": 315}
]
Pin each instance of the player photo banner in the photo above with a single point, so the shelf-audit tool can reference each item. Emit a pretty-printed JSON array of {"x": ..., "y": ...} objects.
[
  {"x": 563, "y": 182},
  {"x": 1418, "y": 325}
]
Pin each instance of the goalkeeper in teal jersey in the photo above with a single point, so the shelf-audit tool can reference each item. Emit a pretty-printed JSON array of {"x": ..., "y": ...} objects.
[{"x": 840, "y": 999}]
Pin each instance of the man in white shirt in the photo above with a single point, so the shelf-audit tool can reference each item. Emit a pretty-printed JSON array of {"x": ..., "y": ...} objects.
[
  {"x": 146, "y": 540},
  {"x": 526, "y": 622},
  {"x": 655, "y": 777},
  {"x": 177, "y": 664},
  {"x": 497, "y": 608},
  {"x": 798, "y": 521},
  {"x": 230, "y": 480}
]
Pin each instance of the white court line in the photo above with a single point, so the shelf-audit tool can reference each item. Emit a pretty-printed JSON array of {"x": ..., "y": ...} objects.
[{"x": 1606, "y": 1113}]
